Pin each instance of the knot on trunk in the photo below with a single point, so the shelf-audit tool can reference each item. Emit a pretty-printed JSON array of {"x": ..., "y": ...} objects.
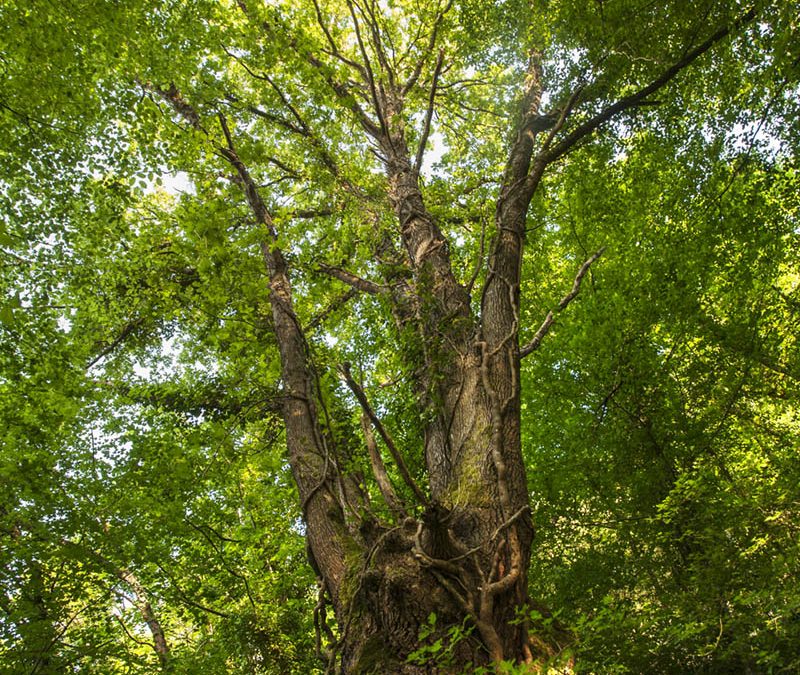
[{"x": 437, "y": 538}]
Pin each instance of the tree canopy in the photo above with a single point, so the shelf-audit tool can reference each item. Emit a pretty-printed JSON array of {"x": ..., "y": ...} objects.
[{"x": 399, "y": 336}]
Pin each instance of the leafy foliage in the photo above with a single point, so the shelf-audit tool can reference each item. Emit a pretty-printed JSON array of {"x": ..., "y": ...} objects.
[{"x": 143, "y": 458}]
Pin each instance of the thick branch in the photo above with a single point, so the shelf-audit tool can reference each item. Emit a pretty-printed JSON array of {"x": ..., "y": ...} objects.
[
  {"x": 351, "y": 279},
  {"x": 180, "y": 106},
  {"x": 639, "y": 98},
  {"x": 534, "y": 344},
  {"x": 394, "y": 503},
  {"x": 519, "y": 157},
  {"x": 310, "y": 456},
  {"x": 142, "y": 603},
  {"x": 426, "y": 129},
  {"x": 500, "y": 296}
]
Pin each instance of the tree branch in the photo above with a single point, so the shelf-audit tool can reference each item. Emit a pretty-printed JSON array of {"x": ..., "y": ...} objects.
[
  {"x": 180, "y": 106},
  {"x": 309, "y": 452},
  {"x": 479, "y": 262},
  {"x": 368, "y": 12},
  {"x": 376, "y": 101},
  {"x": 186, "y": 599},
  {"x": 639, "y": 98},
  {"x": 127, "y": 330},
  {"x": 534, "y": 344},
  {"x": 351, "y": 279},
  {"x": 412, "y": 80},
  {"x": 426, "y": 129},
  {"x": 269, "y": 116},
  {"x": 142, "y": 603},
  {"x": 344, "y": 94},
  {"x": 335, "y": 51},
  {"x": 394, "y": 503},
  {"x": 376, "y": 422},
  {"x": 335, "y": 304},
  {"x": 301, "y": 128}
]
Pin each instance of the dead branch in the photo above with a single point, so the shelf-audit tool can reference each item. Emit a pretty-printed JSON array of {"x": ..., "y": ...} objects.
[{"x": 533, "y": 345}]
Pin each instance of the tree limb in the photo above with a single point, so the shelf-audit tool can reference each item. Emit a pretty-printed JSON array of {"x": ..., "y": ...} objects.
[
  {"x": 376, "y": 100},
  {"x": 180, "y": 106},
  {"x": 639, "y": 98},
  {"x": 351, "y": 279},
  {"x": 368, "y": 12},
  {"x": 534, "y": 344},
  {"x": 412, "y": 80},
  {"x": 335, "y": 304},
  {"x": 335, "y": 51},
  {"x": 479, "y": 262},
  {"x": 426, "y": 129},
  {"x": 376, "y": 422},
  {"x": 269, "y": 116},
  {"x": 394, "y": 503},
  {"x": 344, "y": 94},
  {"x": 142, "y": 602},
  {"x": 127, "y": 330}
]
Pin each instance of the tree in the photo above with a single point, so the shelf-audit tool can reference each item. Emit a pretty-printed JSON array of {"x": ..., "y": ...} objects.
[{"x": 386, "y": 209}]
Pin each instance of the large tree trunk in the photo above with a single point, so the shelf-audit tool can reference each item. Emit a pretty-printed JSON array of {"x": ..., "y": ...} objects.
[
  {"x": 460, "y": 552},
  {"x": 462, "y": 562}
]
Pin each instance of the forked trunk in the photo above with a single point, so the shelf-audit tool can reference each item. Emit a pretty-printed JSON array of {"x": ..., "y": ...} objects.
[
  {"x": 442, "y": 581},
  {"x": 451, "y": 570}
]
